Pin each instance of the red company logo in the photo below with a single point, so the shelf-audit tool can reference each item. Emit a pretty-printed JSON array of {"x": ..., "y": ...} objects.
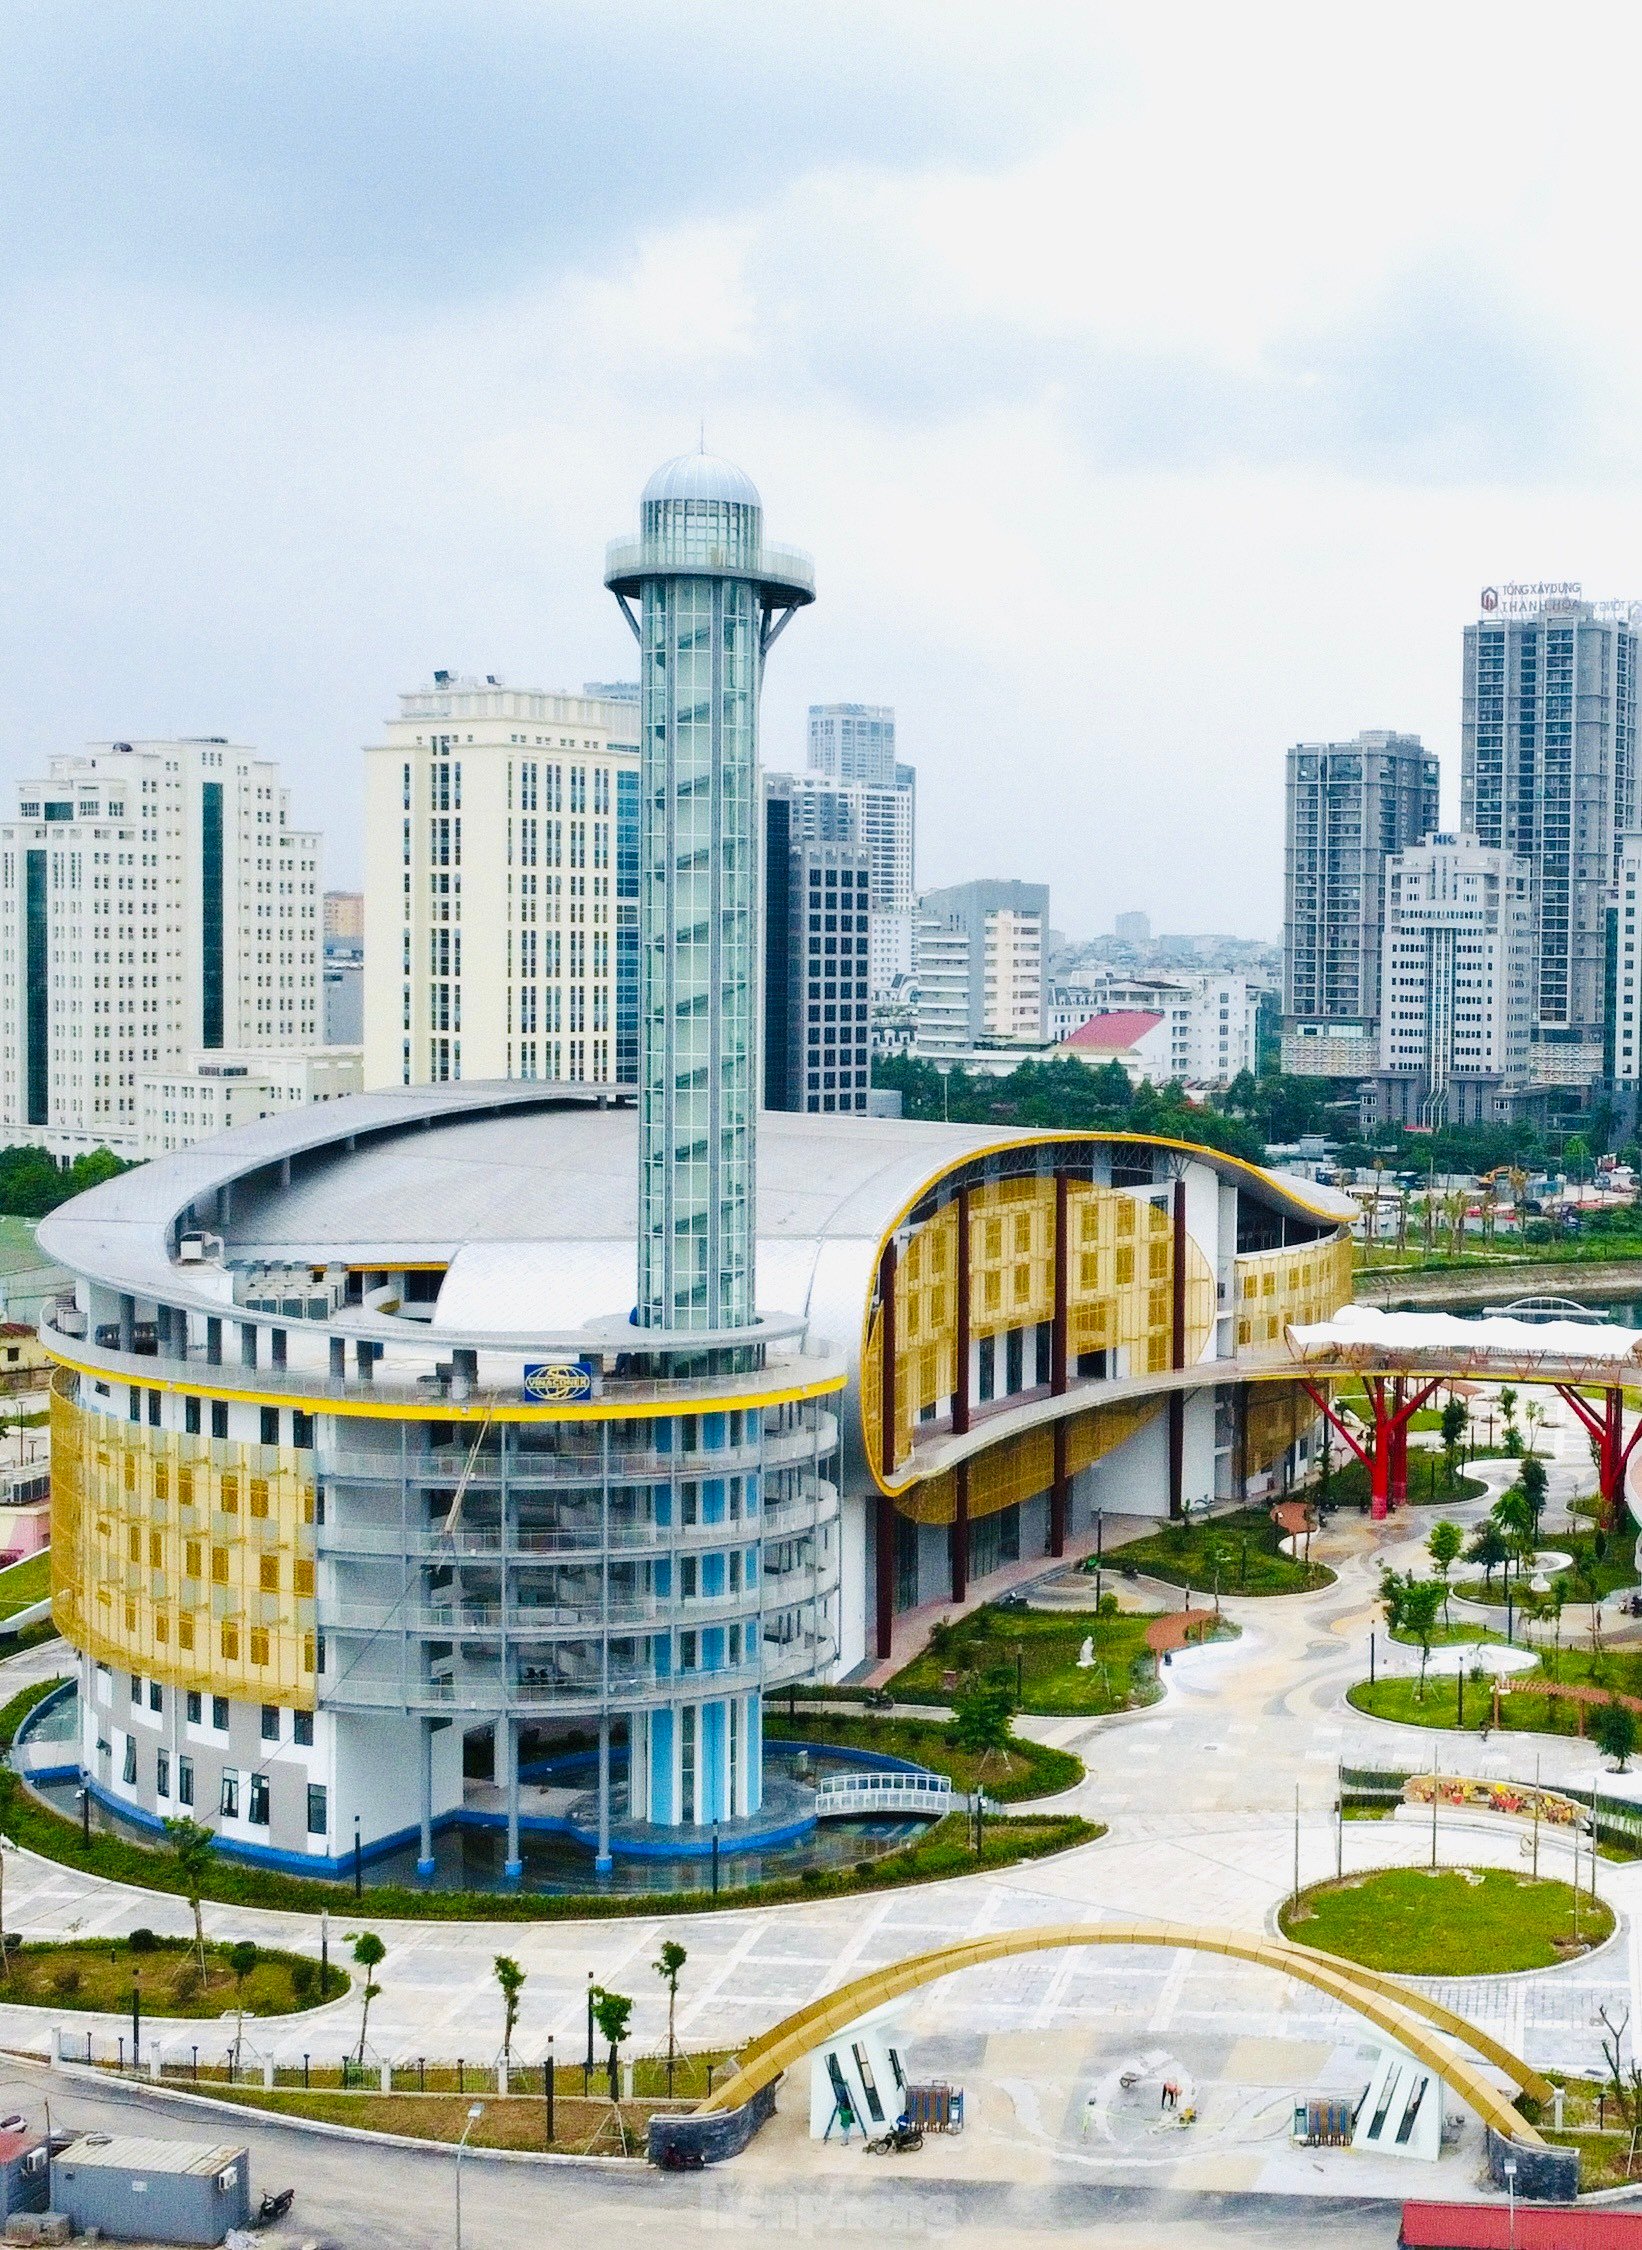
[{"x": 1490, "y": 598}]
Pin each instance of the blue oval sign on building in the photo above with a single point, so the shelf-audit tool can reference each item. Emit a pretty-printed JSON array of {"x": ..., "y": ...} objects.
[{"x": 555, "y": 1381}]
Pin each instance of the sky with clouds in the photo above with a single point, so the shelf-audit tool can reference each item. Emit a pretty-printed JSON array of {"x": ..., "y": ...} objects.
[{"x": 1154, "y": 387}]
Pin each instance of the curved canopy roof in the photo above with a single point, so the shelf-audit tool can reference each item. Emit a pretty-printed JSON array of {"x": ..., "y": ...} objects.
[{"x": 527, "y": 1193}]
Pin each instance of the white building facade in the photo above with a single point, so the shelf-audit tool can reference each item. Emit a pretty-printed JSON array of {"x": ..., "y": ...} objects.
[
  {"x": 852, "y": 749},
  {"x": 154, "y": 902},
  {"x": 501, "y": 888},
  {"x": 978, "y": 966},
  {"x": 1456, "y": 983},
  {"x": 218, "y": 1090},
  {"x": 1212, "y": 1020}
]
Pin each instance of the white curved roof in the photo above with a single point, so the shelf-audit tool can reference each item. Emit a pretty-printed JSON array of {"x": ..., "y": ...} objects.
[
  {"x": 527, "y": 1193},
  {"x": 702, "y": 476},
  {"x": 1414, "y": 1332}
]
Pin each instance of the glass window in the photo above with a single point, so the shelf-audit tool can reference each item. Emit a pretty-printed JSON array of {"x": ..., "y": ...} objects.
[
  {"x": 156, "y": 1696},
  {"x": 185, "y": 1781},
  {"x": 194, "y": 1705},
  {"x": 302, "y": 1728},
  {"x": 162, "y": 1773},
  {"x": 130, "y": 1767},
  {"x": 270, "y": 1425},
  {"x": 270, "y": 1722},
  {"x": 316, "y": 1808},
  {"x": 228, "y": 1804},
  {"x": 259, "y": 1800},
  {"x": 219, "y": 1713}
]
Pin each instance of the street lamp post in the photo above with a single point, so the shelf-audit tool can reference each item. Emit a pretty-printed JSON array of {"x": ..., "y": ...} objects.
[
  {"x": 1510, "y": 2170},
  {"x": 474, "y": 2115}
]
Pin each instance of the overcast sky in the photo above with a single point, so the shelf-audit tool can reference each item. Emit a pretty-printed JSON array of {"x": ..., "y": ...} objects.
[{"x": 1154, "y": 387}]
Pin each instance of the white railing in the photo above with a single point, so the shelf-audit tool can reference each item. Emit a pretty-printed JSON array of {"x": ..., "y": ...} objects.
[{"x": 850, "y": 1796}]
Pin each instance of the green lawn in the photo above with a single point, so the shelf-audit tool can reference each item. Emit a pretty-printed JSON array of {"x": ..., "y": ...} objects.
[
  {"x": 19, "y": 1252},
  {"x": 25, "y": 1583},
  {"x": 1613, "y": 1569},
  {"x": 98, "y": 1973},
  {"x": 1029, "y": 1769},
  {"x": 1452, "y": 1921},
  {"x": 1451, "y": 1636},
  {"x": 1619, "y": 1673},
  {"x": 1247, "y": 1544},
  {"x": 1428, "y": 1484},
  {"x": 1123, "y": 1677}
]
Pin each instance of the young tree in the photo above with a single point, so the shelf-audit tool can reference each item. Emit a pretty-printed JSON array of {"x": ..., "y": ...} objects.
[
  {"x": 667, "y": 1964},
  {"x": 1508, "y": 1404},
  {"x": 983, "y": 1715},
  {"x": 242, "y": 1959},
  {"x": 1215, "y": 1559},
  {"x": 1422, "y": 1598},
  {"x": 369, "y": 1953},
  {"x": 192, "y": 1846},
  {"x": 1488, "y": 1548},
  {"x": 611, "y": 2012},
  {"x": 1586, "y": 1582},
  {"x": 1534, "y": 1485},
  {"x": 511, "y": 1978},
  {"x": 1514, "y": 1519},
  {"x": 1394, "y": 1585},
  {"x": 1455, "y": 1415},
  {"x": 1444, "y": 1546},
  {"x": 1614, "y": 1729}
]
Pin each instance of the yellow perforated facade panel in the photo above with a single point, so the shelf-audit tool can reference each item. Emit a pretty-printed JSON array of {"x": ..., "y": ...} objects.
[
  {"x": 1120, "y": 1289},
  {"x": 186, "y": 1559},
  {"x": 1298, "y": 1286}
]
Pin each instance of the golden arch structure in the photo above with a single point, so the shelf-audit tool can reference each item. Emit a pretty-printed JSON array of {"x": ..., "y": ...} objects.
[{"x": 1404, "y": 2015}]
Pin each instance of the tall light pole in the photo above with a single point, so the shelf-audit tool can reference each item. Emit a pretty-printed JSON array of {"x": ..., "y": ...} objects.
[
  {"x": 1510, "y": 2170},
  {"x": 474, "y": 2115}
]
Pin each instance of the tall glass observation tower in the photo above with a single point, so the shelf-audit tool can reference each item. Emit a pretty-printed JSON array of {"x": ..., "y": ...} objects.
[{"x": 711, "y": 596}]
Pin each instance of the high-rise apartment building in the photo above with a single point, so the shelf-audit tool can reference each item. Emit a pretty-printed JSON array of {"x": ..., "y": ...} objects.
[
  {"x": 852, "y": 751},
  {"x": 1349, "y": 806},
  {"x": 1456, "y": 978},
  {"x": 154, "y": 901},
  {"x": 817, "y": 985},
  {"x": 979, "y": 965},
  {"x": 501, "y": 887},
  {"x": 1132, "y": 929},
  {"x": 344, "y": 920},
  {"x": 1548, "y": 744},
  {"x": 1623, "y": 1060},
  {"x": 854, "y": 742}
]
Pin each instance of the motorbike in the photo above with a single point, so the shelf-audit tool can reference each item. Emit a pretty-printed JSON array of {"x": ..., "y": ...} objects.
[
  {"x": 275, "y": 2207},
  {"x": 682, "y": 2160},
  {"x": 901, "y": 2139}
]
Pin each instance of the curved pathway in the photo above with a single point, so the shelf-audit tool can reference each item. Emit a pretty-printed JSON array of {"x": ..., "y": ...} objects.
[{"x": 1200, "y": 1793}]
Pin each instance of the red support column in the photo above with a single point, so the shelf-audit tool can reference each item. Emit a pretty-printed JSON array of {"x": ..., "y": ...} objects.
[
  {"x": 958, "y": 1537},
  {"x": 960, "y": 1347}
]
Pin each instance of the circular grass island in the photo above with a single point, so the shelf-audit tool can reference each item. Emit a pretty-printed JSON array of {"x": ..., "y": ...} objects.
[{"x": 1447, "y": 1921}]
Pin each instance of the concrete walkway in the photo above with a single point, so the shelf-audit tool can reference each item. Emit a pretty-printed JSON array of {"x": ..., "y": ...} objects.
[{"x": 1209, "y": 1795}]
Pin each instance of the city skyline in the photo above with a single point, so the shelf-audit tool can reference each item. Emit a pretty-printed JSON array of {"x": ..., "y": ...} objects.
[{"x": 1253, "y": 505}]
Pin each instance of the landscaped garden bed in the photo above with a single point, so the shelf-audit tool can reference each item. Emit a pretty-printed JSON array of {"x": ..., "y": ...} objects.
[
  {"x": 1023, "y": 1770},
  {"x": 1242, "y": 1551},
  {"x": 944, "y": 1850},
  {"x": 1449, "y": 1921},
  {"x": 1041, "y": 1652},
  {"x": 101, "y": 1974}
]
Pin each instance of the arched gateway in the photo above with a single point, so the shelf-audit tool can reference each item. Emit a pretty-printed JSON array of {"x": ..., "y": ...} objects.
[{"x": 1404, "y": 2015}]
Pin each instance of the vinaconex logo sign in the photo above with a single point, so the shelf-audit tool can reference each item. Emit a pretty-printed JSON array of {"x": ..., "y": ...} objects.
[{"x": 556, "y": 1381}]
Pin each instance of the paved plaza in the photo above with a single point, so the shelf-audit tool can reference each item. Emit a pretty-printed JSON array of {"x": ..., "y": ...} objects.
[{"x": 1199, "y": 1794}]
